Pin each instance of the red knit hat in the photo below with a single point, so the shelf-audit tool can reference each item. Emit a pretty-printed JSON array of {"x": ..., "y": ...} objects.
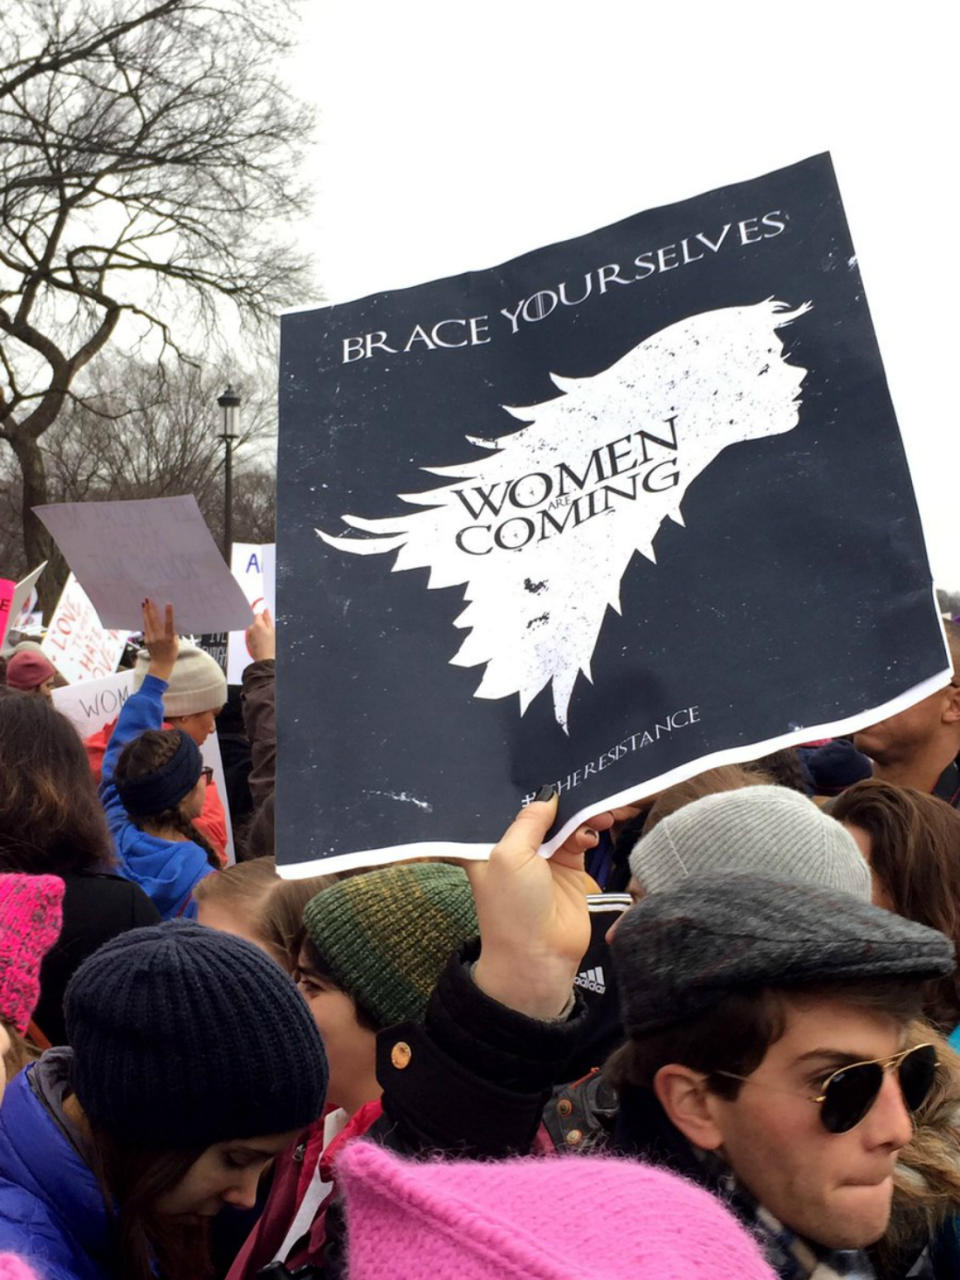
[
  {"x": 28, "y": 669},
  {"x": 30, "y": 920}
]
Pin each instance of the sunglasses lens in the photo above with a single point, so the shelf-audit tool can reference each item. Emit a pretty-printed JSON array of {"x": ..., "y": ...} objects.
[
  {"x": 849, "y": 1096},
  {"x": 917, "y": 1073}
]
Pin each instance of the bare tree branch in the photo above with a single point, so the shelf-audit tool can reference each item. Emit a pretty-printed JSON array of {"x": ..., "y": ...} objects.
[{"x": 150, "y": 156}]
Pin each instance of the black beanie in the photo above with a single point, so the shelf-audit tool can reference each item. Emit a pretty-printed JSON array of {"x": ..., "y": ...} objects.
[{"x": 184, "y": 1036}]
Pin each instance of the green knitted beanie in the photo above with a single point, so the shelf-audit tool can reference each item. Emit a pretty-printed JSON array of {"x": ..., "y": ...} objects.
[{"x": 386, "y": 936}]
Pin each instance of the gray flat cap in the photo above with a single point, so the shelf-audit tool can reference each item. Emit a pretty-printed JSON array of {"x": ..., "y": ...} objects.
[
  {"x": 677, "y": 952},
  {"x": 764, "y": 831}
]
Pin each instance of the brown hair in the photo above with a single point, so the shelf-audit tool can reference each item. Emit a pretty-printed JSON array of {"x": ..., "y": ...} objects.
[
  {"x": 146, "y": 754},
  {"x": 145, "y": 1243},
  {"x": 281, "y": 917},
  {"x": 736, "y": 1032},
  {"x": 916, "y": 855},
  {"x": 271, "y": 908},
  {"x": 20, "y": 1053},
  {"x": 51, "y": 819},
  {"x": 728, "y": 777}
]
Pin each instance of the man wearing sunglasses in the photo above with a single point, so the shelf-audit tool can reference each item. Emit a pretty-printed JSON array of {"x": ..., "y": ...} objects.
[
  {"x": 770, "y": 1049},
  {"x": 768, "y": 1055}
]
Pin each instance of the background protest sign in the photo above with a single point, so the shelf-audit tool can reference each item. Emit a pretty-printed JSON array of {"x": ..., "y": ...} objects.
[
  {"x": 7, "y": 591},
  {"x": 250, "y": 563},
  {"x": 94, "y": 703},
  {"x": 614, "y": 512},
  {"x": 159, "y": 547},
  {"x": 21, "y": 605},
  {"x": 76, "y": 643},
  {"x": 91, "y": 704}
]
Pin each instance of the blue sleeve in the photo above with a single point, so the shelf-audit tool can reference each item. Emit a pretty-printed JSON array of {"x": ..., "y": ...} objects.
[{"x": 142, "y": 710}]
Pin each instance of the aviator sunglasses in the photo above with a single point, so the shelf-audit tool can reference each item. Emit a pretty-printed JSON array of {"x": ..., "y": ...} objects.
[{"x": 847, "y": 1094}]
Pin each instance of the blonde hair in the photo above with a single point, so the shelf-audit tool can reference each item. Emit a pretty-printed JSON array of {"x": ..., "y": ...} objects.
[
  {"x": 271, "y": 908},
  {"x": 927, "y": 1176}
]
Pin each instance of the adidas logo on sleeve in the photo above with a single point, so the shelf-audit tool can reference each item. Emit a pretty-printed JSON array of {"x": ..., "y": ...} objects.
[{"x": 591, "y": 980}]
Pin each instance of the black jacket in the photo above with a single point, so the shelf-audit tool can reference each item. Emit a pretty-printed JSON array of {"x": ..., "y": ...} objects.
[{"x": 95, "y": 909}]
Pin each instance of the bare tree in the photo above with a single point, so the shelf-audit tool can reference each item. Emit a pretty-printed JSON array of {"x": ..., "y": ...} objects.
[
  {"x": 140, "y": 431},
  {"x": 148, "y": 151}
]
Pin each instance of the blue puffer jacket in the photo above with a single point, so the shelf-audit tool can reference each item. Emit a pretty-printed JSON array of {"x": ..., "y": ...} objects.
[
  {"x": 166, "y": 870},
  {"x": 51, "y": 1209}
]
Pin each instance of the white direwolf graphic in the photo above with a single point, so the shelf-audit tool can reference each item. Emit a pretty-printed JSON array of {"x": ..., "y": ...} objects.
[{"x": 521, "y": 527}]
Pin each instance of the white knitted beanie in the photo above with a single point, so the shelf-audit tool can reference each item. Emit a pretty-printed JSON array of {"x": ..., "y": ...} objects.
[
  {"x": 770, "y": 831},
  {"x": 197, "y": 682}
]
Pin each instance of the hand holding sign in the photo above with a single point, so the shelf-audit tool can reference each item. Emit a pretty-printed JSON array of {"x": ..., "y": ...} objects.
[
  {"x": 534, "y": 923},
  {"x": 161, "y": 639},
  {"x": 262, "y": 637}
]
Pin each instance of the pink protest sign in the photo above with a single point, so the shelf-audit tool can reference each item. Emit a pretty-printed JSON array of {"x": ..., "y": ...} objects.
[{"x": 7, "y": 589}]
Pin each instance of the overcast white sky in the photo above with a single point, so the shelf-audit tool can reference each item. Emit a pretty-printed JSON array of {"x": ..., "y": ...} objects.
[{"x": 456, "y": 136}]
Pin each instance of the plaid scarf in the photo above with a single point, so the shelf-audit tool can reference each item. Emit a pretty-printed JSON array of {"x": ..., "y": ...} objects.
[{"x": 790, "y": 1256}]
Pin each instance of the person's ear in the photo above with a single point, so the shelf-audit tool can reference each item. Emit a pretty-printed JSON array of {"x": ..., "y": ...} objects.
[
  {"x": 951, "y": 708},
  {"x": 689, "y": 1105}
]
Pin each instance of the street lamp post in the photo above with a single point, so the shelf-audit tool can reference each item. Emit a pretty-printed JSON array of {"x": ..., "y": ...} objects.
[{"x": 229, "y": 402}]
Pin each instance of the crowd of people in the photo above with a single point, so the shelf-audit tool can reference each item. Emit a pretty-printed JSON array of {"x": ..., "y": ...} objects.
[{"x": 714, "y": 1037}]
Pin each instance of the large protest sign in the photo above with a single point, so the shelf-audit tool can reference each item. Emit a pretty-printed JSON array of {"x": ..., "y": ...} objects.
[
  {"x": 251, "y": 564},
  {"x": 621, "y": 509},
  {"x": 92, "y": 704},
  {"x": 76, "y": 642},
  {"x": 159, "y": 547}
]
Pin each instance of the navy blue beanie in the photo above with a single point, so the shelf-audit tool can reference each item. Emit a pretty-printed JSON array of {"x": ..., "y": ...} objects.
[
  {"x": 164, "y": 788},
  {"x": 184, "y": 1036}
]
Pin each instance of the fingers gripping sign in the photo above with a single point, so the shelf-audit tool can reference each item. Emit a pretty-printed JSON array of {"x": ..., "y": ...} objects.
[{"x": 534, "y": 923}]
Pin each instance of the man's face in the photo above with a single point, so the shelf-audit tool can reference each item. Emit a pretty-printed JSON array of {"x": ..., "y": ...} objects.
[
  {"x": 833, "y": 1189},
  {"x": 899, "y": 737},
  {"x": 199, "y": 724}
]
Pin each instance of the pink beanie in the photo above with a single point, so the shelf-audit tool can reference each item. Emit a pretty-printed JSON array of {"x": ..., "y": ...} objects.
[
  {"x": 30, "y": 920},
  {"x": 14, "y": 1268},
  {"x": 27, "y": 670},
  {"x": 533, "y": 1219}
]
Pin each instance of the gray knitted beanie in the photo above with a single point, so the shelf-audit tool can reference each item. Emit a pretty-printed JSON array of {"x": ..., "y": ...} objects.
[
  {"x": 678, "y": 952},
  {"x": 766, "y": 831},
  {"x": 197, "y": 683}
]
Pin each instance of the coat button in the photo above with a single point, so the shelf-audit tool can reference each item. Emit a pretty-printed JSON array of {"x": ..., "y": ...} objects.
[
  {"x": 564, "y": 1107},
  {"x": 400, "y": 1055},
  {"x": 574, "y": 1138}
]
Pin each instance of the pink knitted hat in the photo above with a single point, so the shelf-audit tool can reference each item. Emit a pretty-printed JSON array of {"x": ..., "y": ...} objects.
[
  {"x": 28, "y": 670},
  {"x": 30, "y": 920},
  {"x": 531, "y": 1219},
  {"x": 14, "y": 1268}
]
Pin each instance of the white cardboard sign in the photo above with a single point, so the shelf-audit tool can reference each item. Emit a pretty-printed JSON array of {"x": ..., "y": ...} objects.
[
  {"x": 76, "y": 642},
  {"x": 251, "y": 563},
  {"x": 156, "y": 547},
  {"x": 94, "y": 703}
]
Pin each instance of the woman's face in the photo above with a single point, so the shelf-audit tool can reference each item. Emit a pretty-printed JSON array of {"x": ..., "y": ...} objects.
[
  {"x": 225, "y": 1174},
  {"x": 191, "y": 806}
]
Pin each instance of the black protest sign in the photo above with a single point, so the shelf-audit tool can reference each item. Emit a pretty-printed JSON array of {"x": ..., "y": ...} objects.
[
  {"x": 621, "y": 509},
  {"x": 215, "y": 644}
]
